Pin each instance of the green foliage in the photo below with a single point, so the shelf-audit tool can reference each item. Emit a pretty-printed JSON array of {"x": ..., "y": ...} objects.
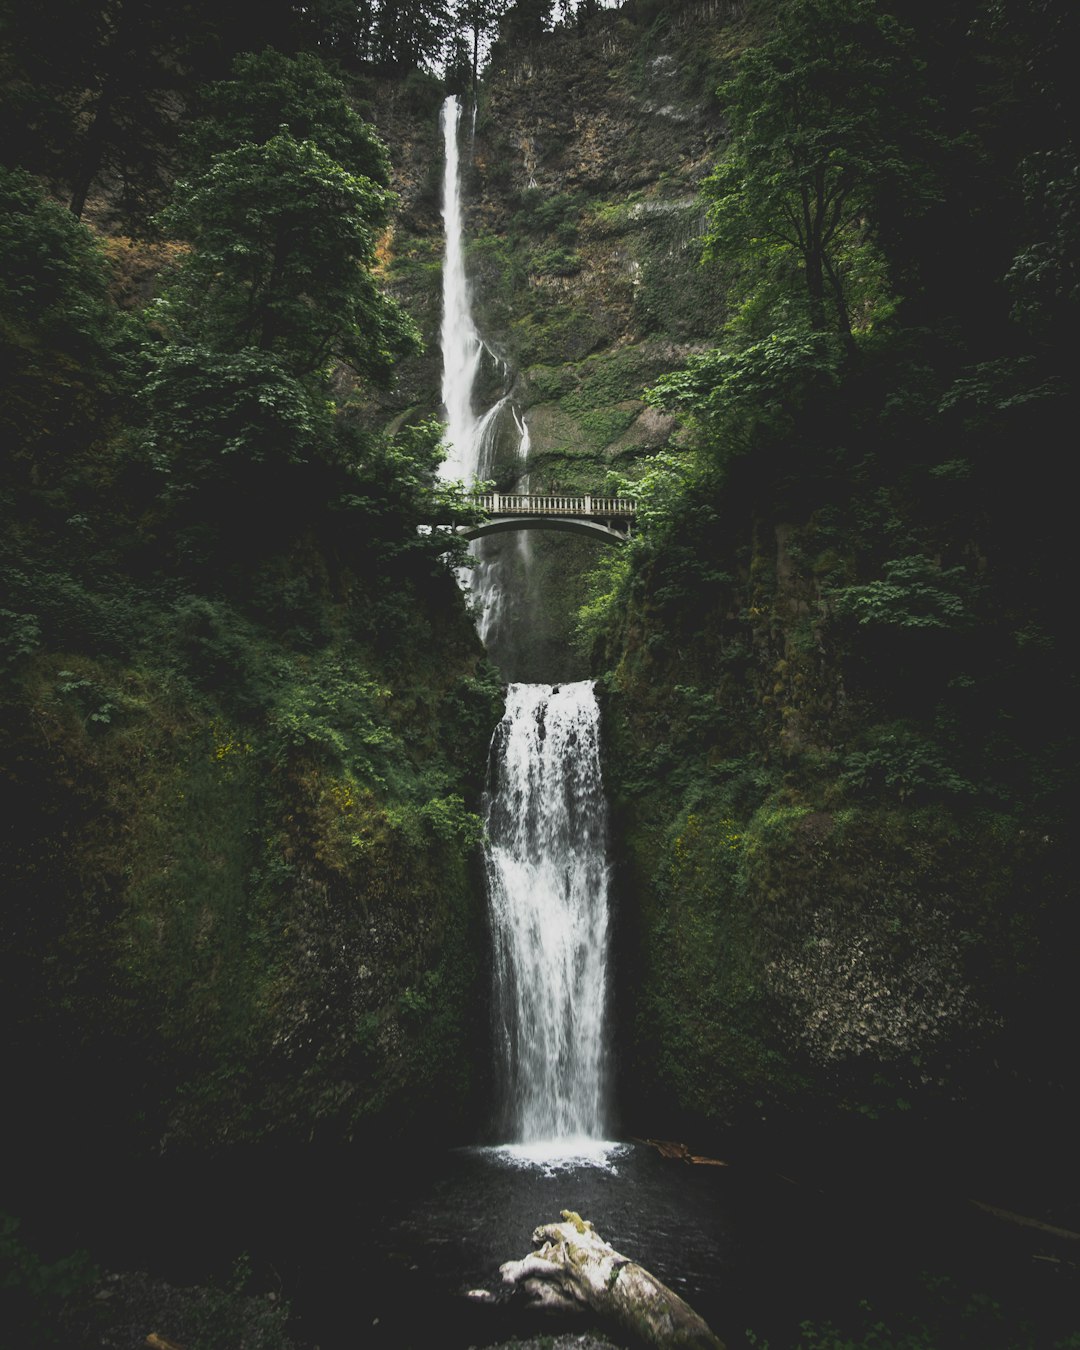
[
  {"x": 561, "y": 333},
  {"x": 211, "y": 413},
  {"x": 555, "y": 262},
  {"x": 100, "y": 103},
  {"x": 543, "y": 212},
  {"x": 20, "y": 637},
  {"x": 606, "y": 587},
  {"x": 609, "y": 378},
  {"x": 37, "y": 1297},
  {"x": 755, "y": 397},
  {"x": 54, "y": 277},
  {"x": 915, "y": 592},
  {"x": 662, "y": 486},
  {"x": 984, "y": 394},
  {"x": 283, "y": 237},
  {"x": 450, "y": 821},
  {"x": 1043, "y": 275},
  {"x": 701, "y": 1001},
  {"x": 829, "y": 129},
  {"x": 225, "y": 1314},
  {"x": 900, "y": 761},
  {"x": 58, "y": 332},
  {"x": 942, "y": 1311},
  {"x": 214, "y": 574},
  {"x": 268, "y": 93}
]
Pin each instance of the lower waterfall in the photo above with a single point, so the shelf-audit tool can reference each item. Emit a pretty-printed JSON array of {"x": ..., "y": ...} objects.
[{"x": 547, "y": 867}]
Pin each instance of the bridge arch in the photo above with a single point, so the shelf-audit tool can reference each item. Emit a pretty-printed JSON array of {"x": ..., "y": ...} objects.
[{"x": 594, "y": 529}]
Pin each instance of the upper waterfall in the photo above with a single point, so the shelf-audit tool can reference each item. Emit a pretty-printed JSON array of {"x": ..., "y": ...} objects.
[
  {"x": 473, "y": 437},
  {"x": 461, "y": 345}
]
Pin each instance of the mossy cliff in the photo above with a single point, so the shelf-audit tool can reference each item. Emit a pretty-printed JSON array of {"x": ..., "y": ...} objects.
[
  {"x": 833, "y": 661},
  {"x": 254, "y": 914},
  {"x": 825, "y": 912},
  {"x": 583, "y": 231}
]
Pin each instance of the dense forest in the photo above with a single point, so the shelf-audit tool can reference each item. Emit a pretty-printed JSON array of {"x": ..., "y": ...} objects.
[{"x": 797, "y": 275}]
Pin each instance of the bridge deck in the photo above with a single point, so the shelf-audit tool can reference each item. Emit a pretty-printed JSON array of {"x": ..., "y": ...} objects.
[{"x": 585, "y": 506}]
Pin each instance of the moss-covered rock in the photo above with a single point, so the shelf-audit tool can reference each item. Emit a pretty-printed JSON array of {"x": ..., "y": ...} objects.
[{"x": 251, "y": 909}]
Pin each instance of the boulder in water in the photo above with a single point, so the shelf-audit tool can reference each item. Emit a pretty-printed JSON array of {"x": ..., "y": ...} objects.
[{"x": 575, "y": 1270}]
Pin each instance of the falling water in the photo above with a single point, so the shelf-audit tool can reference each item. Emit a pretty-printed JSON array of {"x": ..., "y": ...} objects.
[
  {"x": 547, "y": 886},
  {"x": 546, "y": 817},
  {"x": 473, "y": 437},
  {"x": 461, "y": 345}
]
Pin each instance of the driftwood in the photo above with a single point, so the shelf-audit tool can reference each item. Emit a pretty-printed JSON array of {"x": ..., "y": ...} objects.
[
  {"x": 669, "y": 1148},
  {"x": 1022, "y": 1219},
  {"x": 574, "y": 1270}
]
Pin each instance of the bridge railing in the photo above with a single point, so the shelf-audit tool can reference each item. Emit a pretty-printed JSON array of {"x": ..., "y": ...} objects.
[{"x": 553, "y": 504}]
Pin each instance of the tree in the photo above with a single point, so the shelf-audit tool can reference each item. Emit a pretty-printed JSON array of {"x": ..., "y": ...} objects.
[
  {"x": 827, "y": 125},
  {"x": 277, "y": 287},
  {"x": 87, "y": 90},
  {"x": 283, "y": 239},
  {"x": 341, "y": 29},
  {"x": 411, "y": 33},
  {"x": 57, "y": 332},
  {"x": 526, "y": 20},
  {"x": 480, "y": 19},
  {"x": 268, "y": 92}
]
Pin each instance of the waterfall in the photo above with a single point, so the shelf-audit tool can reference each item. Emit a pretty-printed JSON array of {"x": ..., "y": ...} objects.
[
  {"x": 547, "y": 875},
  {"x": 473, "y": 437},
  {"x": 546, "y": 852},
  {"x": 461, "y": 345}
]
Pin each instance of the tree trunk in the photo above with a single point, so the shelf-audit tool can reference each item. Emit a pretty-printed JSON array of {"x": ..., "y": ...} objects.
[
  {"x": 575, "y": 1270},
  {"x": 90, "y": 159}
]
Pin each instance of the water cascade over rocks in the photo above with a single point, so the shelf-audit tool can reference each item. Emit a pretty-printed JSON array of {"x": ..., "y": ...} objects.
[
  {"x": 548, "y": 890},
  {"x": 472, "y": 437},
  {"x": 547, "y": 862}
]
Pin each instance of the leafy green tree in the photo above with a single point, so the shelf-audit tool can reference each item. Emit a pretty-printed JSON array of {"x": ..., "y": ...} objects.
[
  {"x": 760, "y": 392},
  {"x": 268, "y": 92},
  {"x": 827, "y": 125},
  {"x": 90, "y": 89},
  {"x": 411, "y": 33},
  {"x": 277, "y": 288},
  {"x": 57, "y": 326},
  {"x": 283, "y": 238}
]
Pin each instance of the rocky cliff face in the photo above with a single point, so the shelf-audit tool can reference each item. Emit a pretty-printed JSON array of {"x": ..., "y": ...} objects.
[{"x": 584, "y": 228}]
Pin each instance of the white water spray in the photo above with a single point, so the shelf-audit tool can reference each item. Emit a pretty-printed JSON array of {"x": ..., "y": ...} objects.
[
  {"x": 472, "y": 438},
  {"x": 548, "y": 890},
  {"x": 461, "y": 345}
]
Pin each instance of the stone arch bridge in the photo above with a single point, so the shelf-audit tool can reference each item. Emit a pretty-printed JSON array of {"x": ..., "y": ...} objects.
[{"x": 607, "y": 518}]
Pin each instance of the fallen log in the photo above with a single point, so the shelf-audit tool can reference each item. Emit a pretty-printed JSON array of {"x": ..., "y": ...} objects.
[
  {"x": 574, "y": 1270},
  {"x": 670, "y": 1148}
]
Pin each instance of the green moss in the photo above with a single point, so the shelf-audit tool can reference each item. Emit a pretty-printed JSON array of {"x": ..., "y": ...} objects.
[
  {"x": 557, "y": 334},
  {"x": 245, "y": 828}
]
